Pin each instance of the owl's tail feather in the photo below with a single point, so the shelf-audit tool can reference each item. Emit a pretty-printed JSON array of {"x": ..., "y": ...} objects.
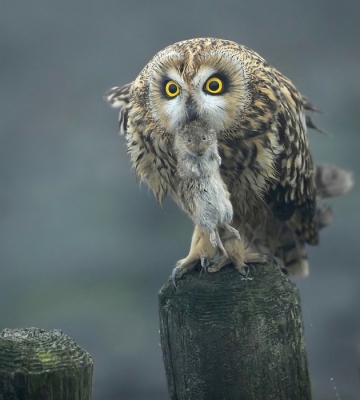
[
  {"x": 292, "y": 255},
  {"x": 331, "y": 181}
]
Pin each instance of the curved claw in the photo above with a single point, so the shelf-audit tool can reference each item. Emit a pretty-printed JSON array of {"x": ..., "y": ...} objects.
[
  {"x": 173, "y": 276},
  {"x": 204, "y": 265},
  {"x": 246, "y": 277},
  {"x": 271, "y": 257}
]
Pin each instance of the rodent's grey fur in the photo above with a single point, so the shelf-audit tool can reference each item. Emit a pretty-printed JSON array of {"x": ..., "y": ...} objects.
[{"x": 202, "y": 192}]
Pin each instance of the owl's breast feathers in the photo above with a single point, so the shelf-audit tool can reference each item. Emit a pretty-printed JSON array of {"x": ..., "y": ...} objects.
[{"x": 266, "y": 160}]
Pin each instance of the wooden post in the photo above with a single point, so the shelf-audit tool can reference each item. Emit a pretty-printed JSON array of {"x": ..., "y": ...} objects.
[
  {"x": 227, "y": 338},
  {"x": 39, "y": 365}
]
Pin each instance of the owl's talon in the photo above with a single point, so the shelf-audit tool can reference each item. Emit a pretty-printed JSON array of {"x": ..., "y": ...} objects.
[
  {"x": 272, "y": 258},
  {"x": 182, "y": 266},
  {"x": 246, "y": 277},
  {"x": 173, "y": 276},
  {"x": 204, "y": 265}
]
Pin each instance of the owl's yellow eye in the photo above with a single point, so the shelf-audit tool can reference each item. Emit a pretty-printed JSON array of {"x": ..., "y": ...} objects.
[
  {"x": 214, "y": 85},
  {"x": 172, "y": 89}
]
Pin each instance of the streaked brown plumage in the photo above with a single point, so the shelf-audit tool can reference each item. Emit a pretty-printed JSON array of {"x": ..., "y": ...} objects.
[{"x": 261, "y": 124}]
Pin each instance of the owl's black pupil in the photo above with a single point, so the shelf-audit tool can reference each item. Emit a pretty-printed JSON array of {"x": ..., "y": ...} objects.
[
  {"x": 214, "y": 85},
  {"x": 172, "y": 88}
]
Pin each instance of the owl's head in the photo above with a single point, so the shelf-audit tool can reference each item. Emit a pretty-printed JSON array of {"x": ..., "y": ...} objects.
[{"x": 196, "y": 80}]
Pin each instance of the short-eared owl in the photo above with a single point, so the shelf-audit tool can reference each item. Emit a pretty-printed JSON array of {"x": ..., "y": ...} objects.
[{"x": 261, "y": 126}]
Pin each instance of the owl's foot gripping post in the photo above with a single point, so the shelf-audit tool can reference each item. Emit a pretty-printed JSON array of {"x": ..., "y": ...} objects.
[
  {"x": 237, "y": 255},
  {"x": 200, "y": 249},
  {"x": 205, "y": 249},
  {"x": 183, "y": 266}
]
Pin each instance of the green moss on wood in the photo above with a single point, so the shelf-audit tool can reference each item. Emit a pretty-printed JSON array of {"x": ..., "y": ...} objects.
[{"x": 39, "y": 365}]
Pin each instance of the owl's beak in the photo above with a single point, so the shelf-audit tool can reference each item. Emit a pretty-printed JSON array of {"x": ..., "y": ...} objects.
[{"x": 191, "y": 111}]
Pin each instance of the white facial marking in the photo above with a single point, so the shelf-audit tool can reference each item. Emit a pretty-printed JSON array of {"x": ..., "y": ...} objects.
[
  {"x": 212, "y": 107},
  {"x": 174, "y": 108}
]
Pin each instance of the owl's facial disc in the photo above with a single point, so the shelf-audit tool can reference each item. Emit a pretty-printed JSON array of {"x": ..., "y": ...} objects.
[
  {"x": 208, "y": 90},
  {"x": 183, "y": 99}
]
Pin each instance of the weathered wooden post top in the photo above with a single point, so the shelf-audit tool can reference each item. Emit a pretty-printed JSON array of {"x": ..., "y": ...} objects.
[
  {"x": 40, "y": 365},
  {"x": 226, "y": 338}
]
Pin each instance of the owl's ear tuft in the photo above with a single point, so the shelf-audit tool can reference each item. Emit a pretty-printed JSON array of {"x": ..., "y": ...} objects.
[{"x": 118, "y": 96}]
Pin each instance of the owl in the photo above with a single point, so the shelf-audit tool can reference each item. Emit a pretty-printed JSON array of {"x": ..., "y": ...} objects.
[{"x": 261, "y": 123}]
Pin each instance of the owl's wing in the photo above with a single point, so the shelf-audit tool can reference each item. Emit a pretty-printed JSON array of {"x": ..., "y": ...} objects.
[
  {"x": 119, "y": 97},
  {"x": 293, "y": 197},
  {"x": 331, "y": 181}
]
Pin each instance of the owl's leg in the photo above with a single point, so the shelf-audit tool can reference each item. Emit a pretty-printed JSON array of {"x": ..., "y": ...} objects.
[{"x": 200, "y": 249}]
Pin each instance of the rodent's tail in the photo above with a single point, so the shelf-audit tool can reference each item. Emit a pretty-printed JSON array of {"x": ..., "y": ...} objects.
[{"x": 331, "y": 181}]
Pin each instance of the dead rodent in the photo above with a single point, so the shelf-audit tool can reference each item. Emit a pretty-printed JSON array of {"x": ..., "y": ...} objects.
[{"x": 202, "y": 192}]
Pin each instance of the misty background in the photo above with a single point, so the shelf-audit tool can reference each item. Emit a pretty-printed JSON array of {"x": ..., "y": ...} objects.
[{"x": 83, "y": 248}]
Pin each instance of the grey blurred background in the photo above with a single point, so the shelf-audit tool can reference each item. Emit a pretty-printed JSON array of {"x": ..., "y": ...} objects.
[{"x": 82, "y": 248}]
